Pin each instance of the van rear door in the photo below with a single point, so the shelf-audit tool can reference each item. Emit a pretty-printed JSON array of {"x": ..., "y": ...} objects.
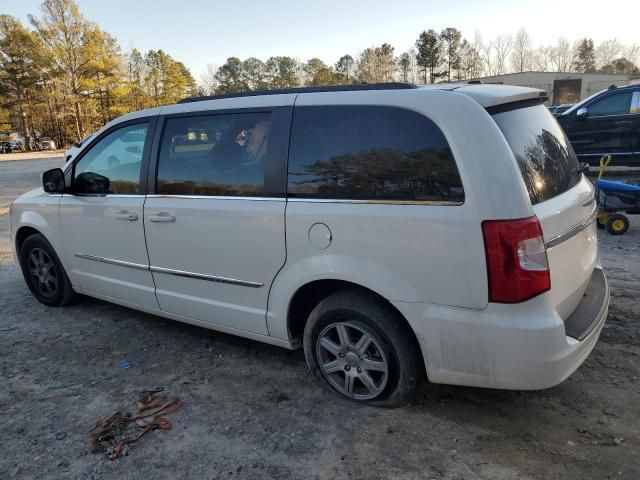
[{"x": 562, "y": 198}]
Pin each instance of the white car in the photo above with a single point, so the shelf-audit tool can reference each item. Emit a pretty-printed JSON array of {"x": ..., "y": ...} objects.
[
  {"x": 390, "y": 230},
  {"x": 46, "y": 143}
]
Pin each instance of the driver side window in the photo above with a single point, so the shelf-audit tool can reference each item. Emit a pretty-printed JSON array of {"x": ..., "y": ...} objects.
[
  {"x": 616, "y": 104},
  {"x": 113, "y": 164}
]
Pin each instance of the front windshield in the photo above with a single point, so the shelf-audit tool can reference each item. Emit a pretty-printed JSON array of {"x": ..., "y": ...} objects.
[{"x": 580, "y": 104}]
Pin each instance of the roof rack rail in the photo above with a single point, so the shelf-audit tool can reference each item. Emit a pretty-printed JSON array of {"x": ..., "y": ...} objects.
[
  {"x": 327, "y": 88},
  {"x": 474, "y": 82}
]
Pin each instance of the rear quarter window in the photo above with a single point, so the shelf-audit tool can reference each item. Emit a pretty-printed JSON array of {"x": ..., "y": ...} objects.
[
  {"x": 546, "y": 159},
  {"x": 370, "y": 153}
]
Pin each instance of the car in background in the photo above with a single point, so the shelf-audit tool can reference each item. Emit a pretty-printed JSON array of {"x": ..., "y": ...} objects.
[
  {"x": 46, "y": 143},
  {"x": 560, "y": 109},
  {"x": 17, "y": 146},
  {"x": 5, "y": 147},
  {"x": 606, "y": 123},
  {"x": 552, "y": 109}
]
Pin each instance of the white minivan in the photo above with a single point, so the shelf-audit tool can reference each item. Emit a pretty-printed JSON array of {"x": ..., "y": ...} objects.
[{"x": 392, "y": 231}]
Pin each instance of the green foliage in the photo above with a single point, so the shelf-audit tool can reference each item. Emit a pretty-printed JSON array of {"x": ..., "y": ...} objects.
[
  {"x": 68, "y": 77},
  {"x": 586, "y": 61},
  {"x": 429, "y": 57},
  {"x": 451, "y": 38},
  {"x": 621, "y": 65},
  {"x": 345, "y": 69}
]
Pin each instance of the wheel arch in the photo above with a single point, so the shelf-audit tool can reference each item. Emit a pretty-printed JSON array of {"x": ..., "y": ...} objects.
[
  {"x": 307, "y": 296},
  {"x": 23, "y": 233}
]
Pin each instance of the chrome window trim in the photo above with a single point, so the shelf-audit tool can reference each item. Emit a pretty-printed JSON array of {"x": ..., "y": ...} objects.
[
  {"x": 557, "y": 240},
  {"x": 378, "y": 202},
  {"x": 618, "y": 154},
  {"x": 112, "y": 261},
  {"x": 210, "y": 278},
  {"x": 109, "y": 195},
  {"x": 217, "y": 197}
]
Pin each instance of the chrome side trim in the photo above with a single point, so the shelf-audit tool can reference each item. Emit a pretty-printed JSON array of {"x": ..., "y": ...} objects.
[
  {"x": 219, "y": 197},
  {"x": 210, "y": 278},
  {"x": 111, "y": 261},
  {"x": 170, "y": 271},
  {"x": 377, "y": 202},
  {"x": 573, "y": 230}
]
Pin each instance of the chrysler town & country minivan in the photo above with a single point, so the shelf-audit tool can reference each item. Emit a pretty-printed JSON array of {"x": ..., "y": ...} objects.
[{"x": 391, "y": 231}]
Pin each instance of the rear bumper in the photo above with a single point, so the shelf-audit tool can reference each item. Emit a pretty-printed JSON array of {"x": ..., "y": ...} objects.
[{"x": 522, "y": 347}]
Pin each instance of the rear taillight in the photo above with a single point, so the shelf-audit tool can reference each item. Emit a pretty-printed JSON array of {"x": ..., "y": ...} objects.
[{"x": 516, "y": 259}]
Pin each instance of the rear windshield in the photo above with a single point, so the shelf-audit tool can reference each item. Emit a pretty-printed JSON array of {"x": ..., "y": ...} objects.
[{"x": 547, "y": 162}]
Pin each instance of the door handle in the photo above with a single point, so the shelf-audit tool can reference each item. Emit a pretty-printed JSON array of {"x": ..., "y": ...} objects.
[
  {"x": 124, "y": 215},
  {"x": 623, "y": 122},
  {"x": 162, "y": 217}
]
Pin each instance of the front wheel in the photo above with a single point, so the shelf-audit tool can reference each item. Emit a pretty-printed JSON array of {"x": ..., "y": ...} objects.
[
  {"x": 44, "y": 273},
  {"x": 358, "y": 347}
]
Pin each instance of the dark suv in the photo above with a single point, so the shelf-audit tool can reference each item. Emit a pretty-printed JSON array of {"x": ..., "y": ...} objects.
[{"x": 606, "y": 123}]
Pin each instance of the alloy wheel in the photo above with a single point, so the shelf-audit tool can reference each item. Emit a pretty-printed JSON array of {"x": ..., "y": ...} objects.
[
  {"x": 42, "y": 272},
  {"x": 352, "y": 360}
]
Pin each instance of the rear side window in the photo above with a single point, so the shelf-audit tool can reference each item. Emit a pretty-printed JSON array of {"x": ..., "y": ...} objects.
[
  {"x": 547, "y": 162},
  {"x": 370, "y": 153},
  {"x": 223, "y": 154}
]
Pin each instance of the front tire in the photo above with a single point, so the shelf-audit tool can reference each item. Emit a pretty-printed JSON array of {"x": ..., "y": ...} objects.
[
  {"x": 43, "y": 272},
  {"x": 358, "y": 347}
]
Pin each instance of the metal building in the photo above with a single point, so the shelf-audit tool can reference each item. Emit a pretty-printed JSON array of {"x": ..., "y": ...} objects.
[{"x": 563, "y": 87}]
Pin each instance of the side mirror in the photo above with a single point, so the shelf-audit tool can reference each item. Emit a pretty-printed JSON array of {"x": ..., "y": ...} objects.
[
  {"x": 53, "y": 181},
  {"x": 582, "y": 112},
  {"x": 92, "y": 183}
]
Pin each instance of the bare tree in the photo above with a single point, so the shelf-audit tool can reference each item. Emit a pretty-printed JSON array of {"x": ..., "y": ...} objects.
[
  {"x": 208, "y": 80},
  {"x": 563, "y": 55},
  {"x": 607, "y": 52},
  {"x": 521, "y": 57},
  {"x": 501, "y": 47},
  {"x": 470, "y": 62},
  {"x": 478, "y": 46},
  {"x": 632, "y": 53},
  {"x": 542, "y": 58}
]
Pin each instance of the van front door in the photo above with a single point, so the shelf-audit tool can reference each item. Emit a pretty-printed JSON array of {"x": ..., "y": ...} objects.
[
  {"x": 215, "y": 225},
  {"x": 101, "y": 218}
]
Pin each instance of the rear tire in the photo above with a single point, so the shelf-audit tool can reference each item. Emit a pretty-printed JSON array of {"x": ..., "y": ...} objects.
[
  {"x": 357, "y": 347},
  {"x": 44, "y": 273},
  {"x": 617, "y": 224}
]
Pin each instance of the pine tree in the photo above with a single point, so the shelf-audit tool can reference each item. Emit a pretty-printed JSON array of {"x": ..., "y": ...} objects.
[{"x": 586, "y": 61}]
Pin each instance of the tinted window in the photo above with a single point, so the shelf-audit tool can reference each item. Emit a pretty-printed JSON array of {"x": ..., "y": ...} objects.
[
  {"x": 118, "y": 157},
  {"x": 366, "y": 152},
  {"x": 616, "y": 104},
  {"x": 214, "y": 155},
  {"x": 546, "y": 160}
]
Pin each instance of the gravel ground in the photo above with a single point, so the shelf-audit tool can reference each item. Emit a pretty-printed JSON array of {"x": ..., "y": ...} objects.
[{"x": 252, "y": 410}]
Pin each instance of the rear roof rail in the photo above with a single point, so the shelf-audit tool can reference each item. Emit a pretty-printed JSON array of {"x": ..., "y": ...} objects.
[{"x": 326, "y": 88}]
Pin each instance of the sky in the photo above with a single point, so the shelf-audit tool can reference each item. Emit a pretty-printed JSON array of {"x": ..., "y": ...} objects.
[{"x": 199, "y": 32}]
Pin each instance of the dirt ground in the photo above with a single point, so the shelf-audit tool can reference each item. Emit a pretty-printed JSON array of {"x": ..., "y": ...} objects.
[{"x": 252, "y": 411}]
